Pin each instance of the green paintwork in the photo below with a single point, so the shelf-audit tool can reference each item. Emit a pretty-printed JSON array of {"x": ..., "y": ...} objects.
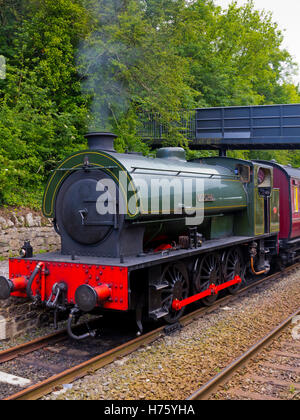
[
  {"x": 231, "y": 207},
  {"x": 243, "y": 221},
  {"x": 259, "y": 214},
  {"x": 250, "y": 222},
  {"x": 97, "y": 160},
  {"x": 222, "y": 227},
  {"x": 225, "y": 191}
]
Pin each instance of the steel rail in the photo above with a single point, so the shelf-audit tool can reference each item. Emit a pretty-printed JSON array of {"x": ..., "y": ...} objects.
[
  {"x": 37, "y": 344},
  {"x": 226, "y": 374},
  {"x": 31, "y": 346},
  {"x": 43, "y": 388}
]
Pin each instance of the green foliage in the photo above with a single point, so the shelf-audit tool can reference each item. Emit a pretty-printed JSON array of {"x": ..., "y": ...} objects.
[
  {"x": 236, "y": 56},
  {"x": 130, "y": 65},
  {"x": 42, "y": 111},
  {"x": 101, "y": 64}
]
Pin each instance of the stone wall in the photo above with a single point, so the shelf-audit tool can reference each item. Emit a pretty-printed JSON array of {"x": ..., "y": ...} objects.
[
  {"x": 15, "y": 229},
  {"x": 18, "y": 315}
]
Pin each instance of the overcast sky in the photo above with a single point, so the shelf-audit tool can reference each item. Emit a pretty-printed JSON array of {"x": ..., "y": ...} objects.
[{"x": 287, "y": 14}]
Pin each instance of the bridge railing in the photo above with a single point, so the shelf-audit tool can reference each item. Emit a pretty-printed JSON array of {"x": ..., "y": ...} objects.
[{"x": 247, "y": 127}]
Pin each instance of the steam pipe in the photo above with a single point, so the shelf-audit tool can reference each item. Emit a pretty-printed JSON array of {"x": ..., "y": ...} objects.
[
  {"x": 75, "y": 311},
  {"x": 253, "y": 269},
  {"x": 35, "y": 272}
]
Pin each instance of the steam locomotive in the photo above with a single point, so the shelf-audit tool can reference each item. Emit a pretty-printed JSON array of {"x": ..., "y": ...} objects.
[{"x": 150, "y": 236}]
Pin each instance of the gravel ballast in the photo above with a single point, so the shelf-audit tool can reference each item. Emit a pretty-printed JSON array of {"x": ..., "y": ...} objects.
[
  {"x": 273, "y": 374},
  {"x": 174, "y": 367}
]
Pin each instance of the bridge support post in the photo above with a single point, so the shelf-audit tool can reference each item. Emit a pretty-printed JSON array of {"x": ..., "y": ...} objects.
[{"x": 223, "y": 152}]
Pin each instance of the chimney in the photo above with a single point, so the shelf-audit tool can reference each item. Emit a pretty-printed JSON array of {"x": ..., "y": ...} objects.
[{"x": 101, "y": 141}]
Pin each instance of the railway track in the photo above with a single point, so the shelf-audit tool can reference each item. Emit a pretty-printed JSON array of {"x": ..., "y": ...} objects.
[
  {"x": 48, "y": 352},
  {"x": 274, "y": 374}
]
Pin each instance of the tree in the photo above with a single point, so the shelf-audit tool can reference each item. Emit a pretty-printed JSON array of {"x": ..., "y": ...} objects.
[
  {"x": 236, "y": 54},
  {"x": 109, "y": 64},
  {"x": 130, "y": 66},
  {"x": 42, "y": 110}
]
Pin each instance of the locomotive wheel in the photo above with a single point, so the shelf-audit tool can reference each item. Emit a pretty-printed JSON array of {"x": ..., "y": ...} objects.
[
  {"x": 234, "y": 266},
  {"x": 208, "y": 273},
  {"x": 177, "y": 277}
]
